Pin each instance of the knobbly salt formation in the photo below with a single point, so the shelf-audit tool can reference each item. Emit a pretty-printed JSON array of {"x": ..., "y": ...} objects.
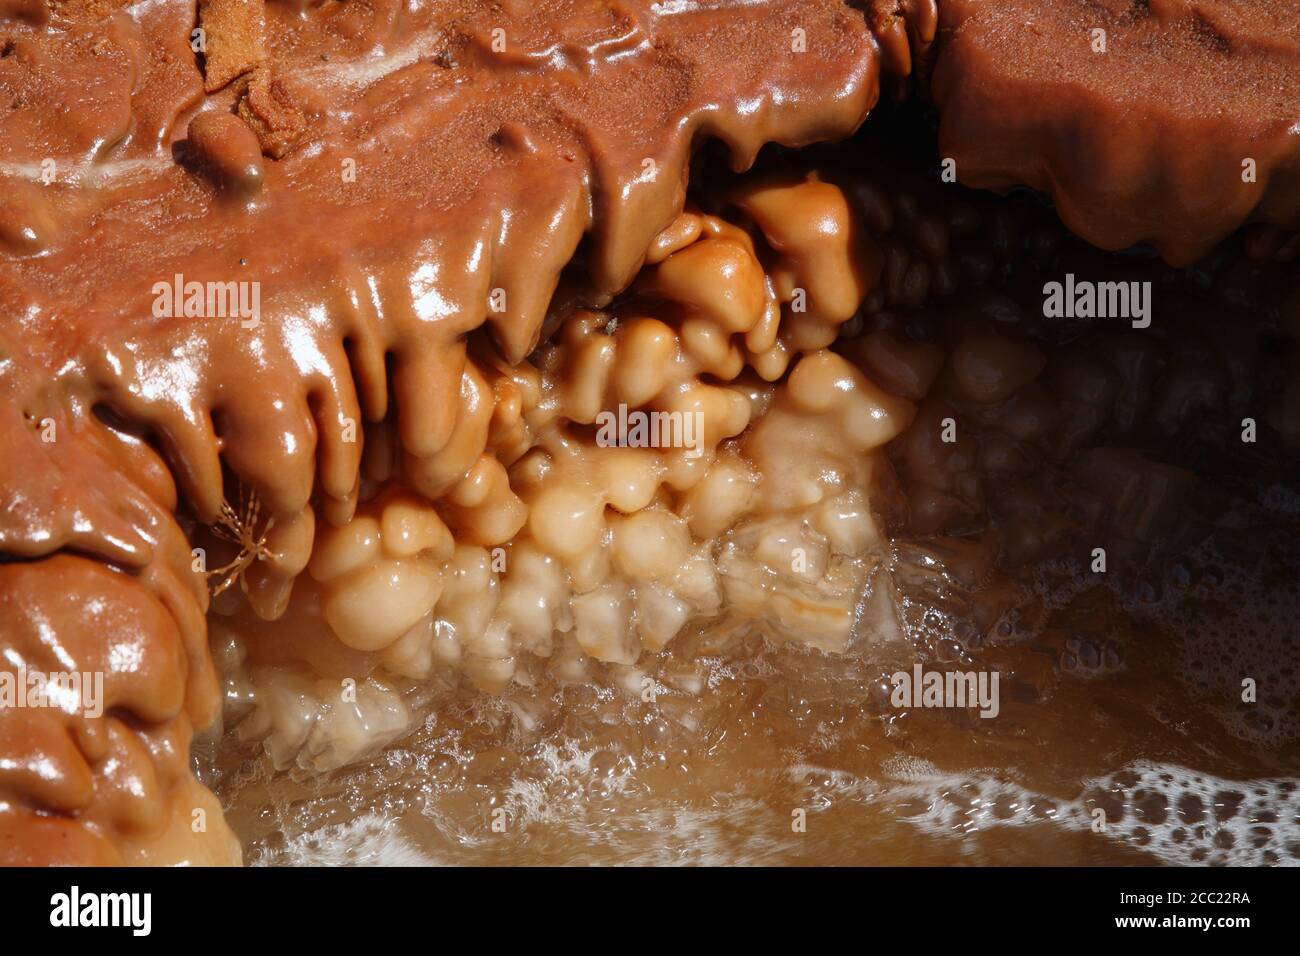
[
  {"x": 559, "y": 551},
  {"x": 403, "y": 436}
]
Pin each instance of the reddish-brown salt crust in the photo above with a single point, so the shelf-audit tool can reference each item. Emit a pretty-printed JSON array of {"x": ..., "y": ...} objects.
[{"x": 1143, "y": 142}]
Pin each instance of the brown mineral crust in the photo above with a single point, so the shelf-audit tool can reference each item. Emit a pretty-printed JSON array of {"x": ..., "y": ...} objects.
[
  {"x": 441, "y": 154},
  {"x": 135, "y": 616},
  {"x": 905, "y": 30},
  {"x": 96, "y": 85},
  {"x": 116, "y": 769},
  {"x": 268, "y": 109},
  {"x": 427, "y": 159},
  {"x": 1144, "y": 142},
  {"x": 83, "y": 9},
  {"x": 29, "y": 838},
  {"x": 232, "y": 39},
  {"x": 227, "y": 148},
  {"x": 30, "y": 11}
]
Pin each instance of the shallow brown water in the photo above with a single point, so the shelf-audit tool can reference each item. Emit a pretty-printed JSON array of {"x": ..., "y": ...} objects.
[{"x": 717, "y": 769}]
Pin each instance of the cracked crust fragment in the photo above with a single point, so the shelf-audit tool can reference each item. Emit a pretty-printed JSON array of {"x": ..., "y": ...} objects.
[
  {"x": 232, "y": 40},
  {"x": 269, "y": 110}
]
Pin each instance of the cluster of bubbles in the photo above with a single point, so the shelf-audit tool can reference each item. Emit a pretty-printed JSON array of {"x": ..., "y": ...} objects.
[{"x": 1180, "y": 816}]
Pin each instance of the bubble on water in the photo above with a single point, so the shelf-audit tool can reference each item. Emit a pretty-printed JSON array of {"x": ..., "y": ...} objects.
[
  {"x": 1229, "y": 606},
  {"x": 1236, "y": 623},
  {"x": 1180, "y": 816},
  {"x": 909, "y": 767}
]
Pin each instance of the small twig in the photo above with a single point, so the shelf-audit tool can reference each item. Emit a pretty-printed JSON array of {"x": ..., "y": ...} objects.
[{"x": 240, "y": 527}]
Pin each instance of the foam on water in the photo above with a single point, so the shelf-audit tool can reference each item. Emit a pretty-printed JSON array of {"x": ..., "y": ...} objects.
[
  {"x": 1176, "y": 815},
  {"x": 369, "y": 840},
  {"x": 1179, "y": 816}
]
